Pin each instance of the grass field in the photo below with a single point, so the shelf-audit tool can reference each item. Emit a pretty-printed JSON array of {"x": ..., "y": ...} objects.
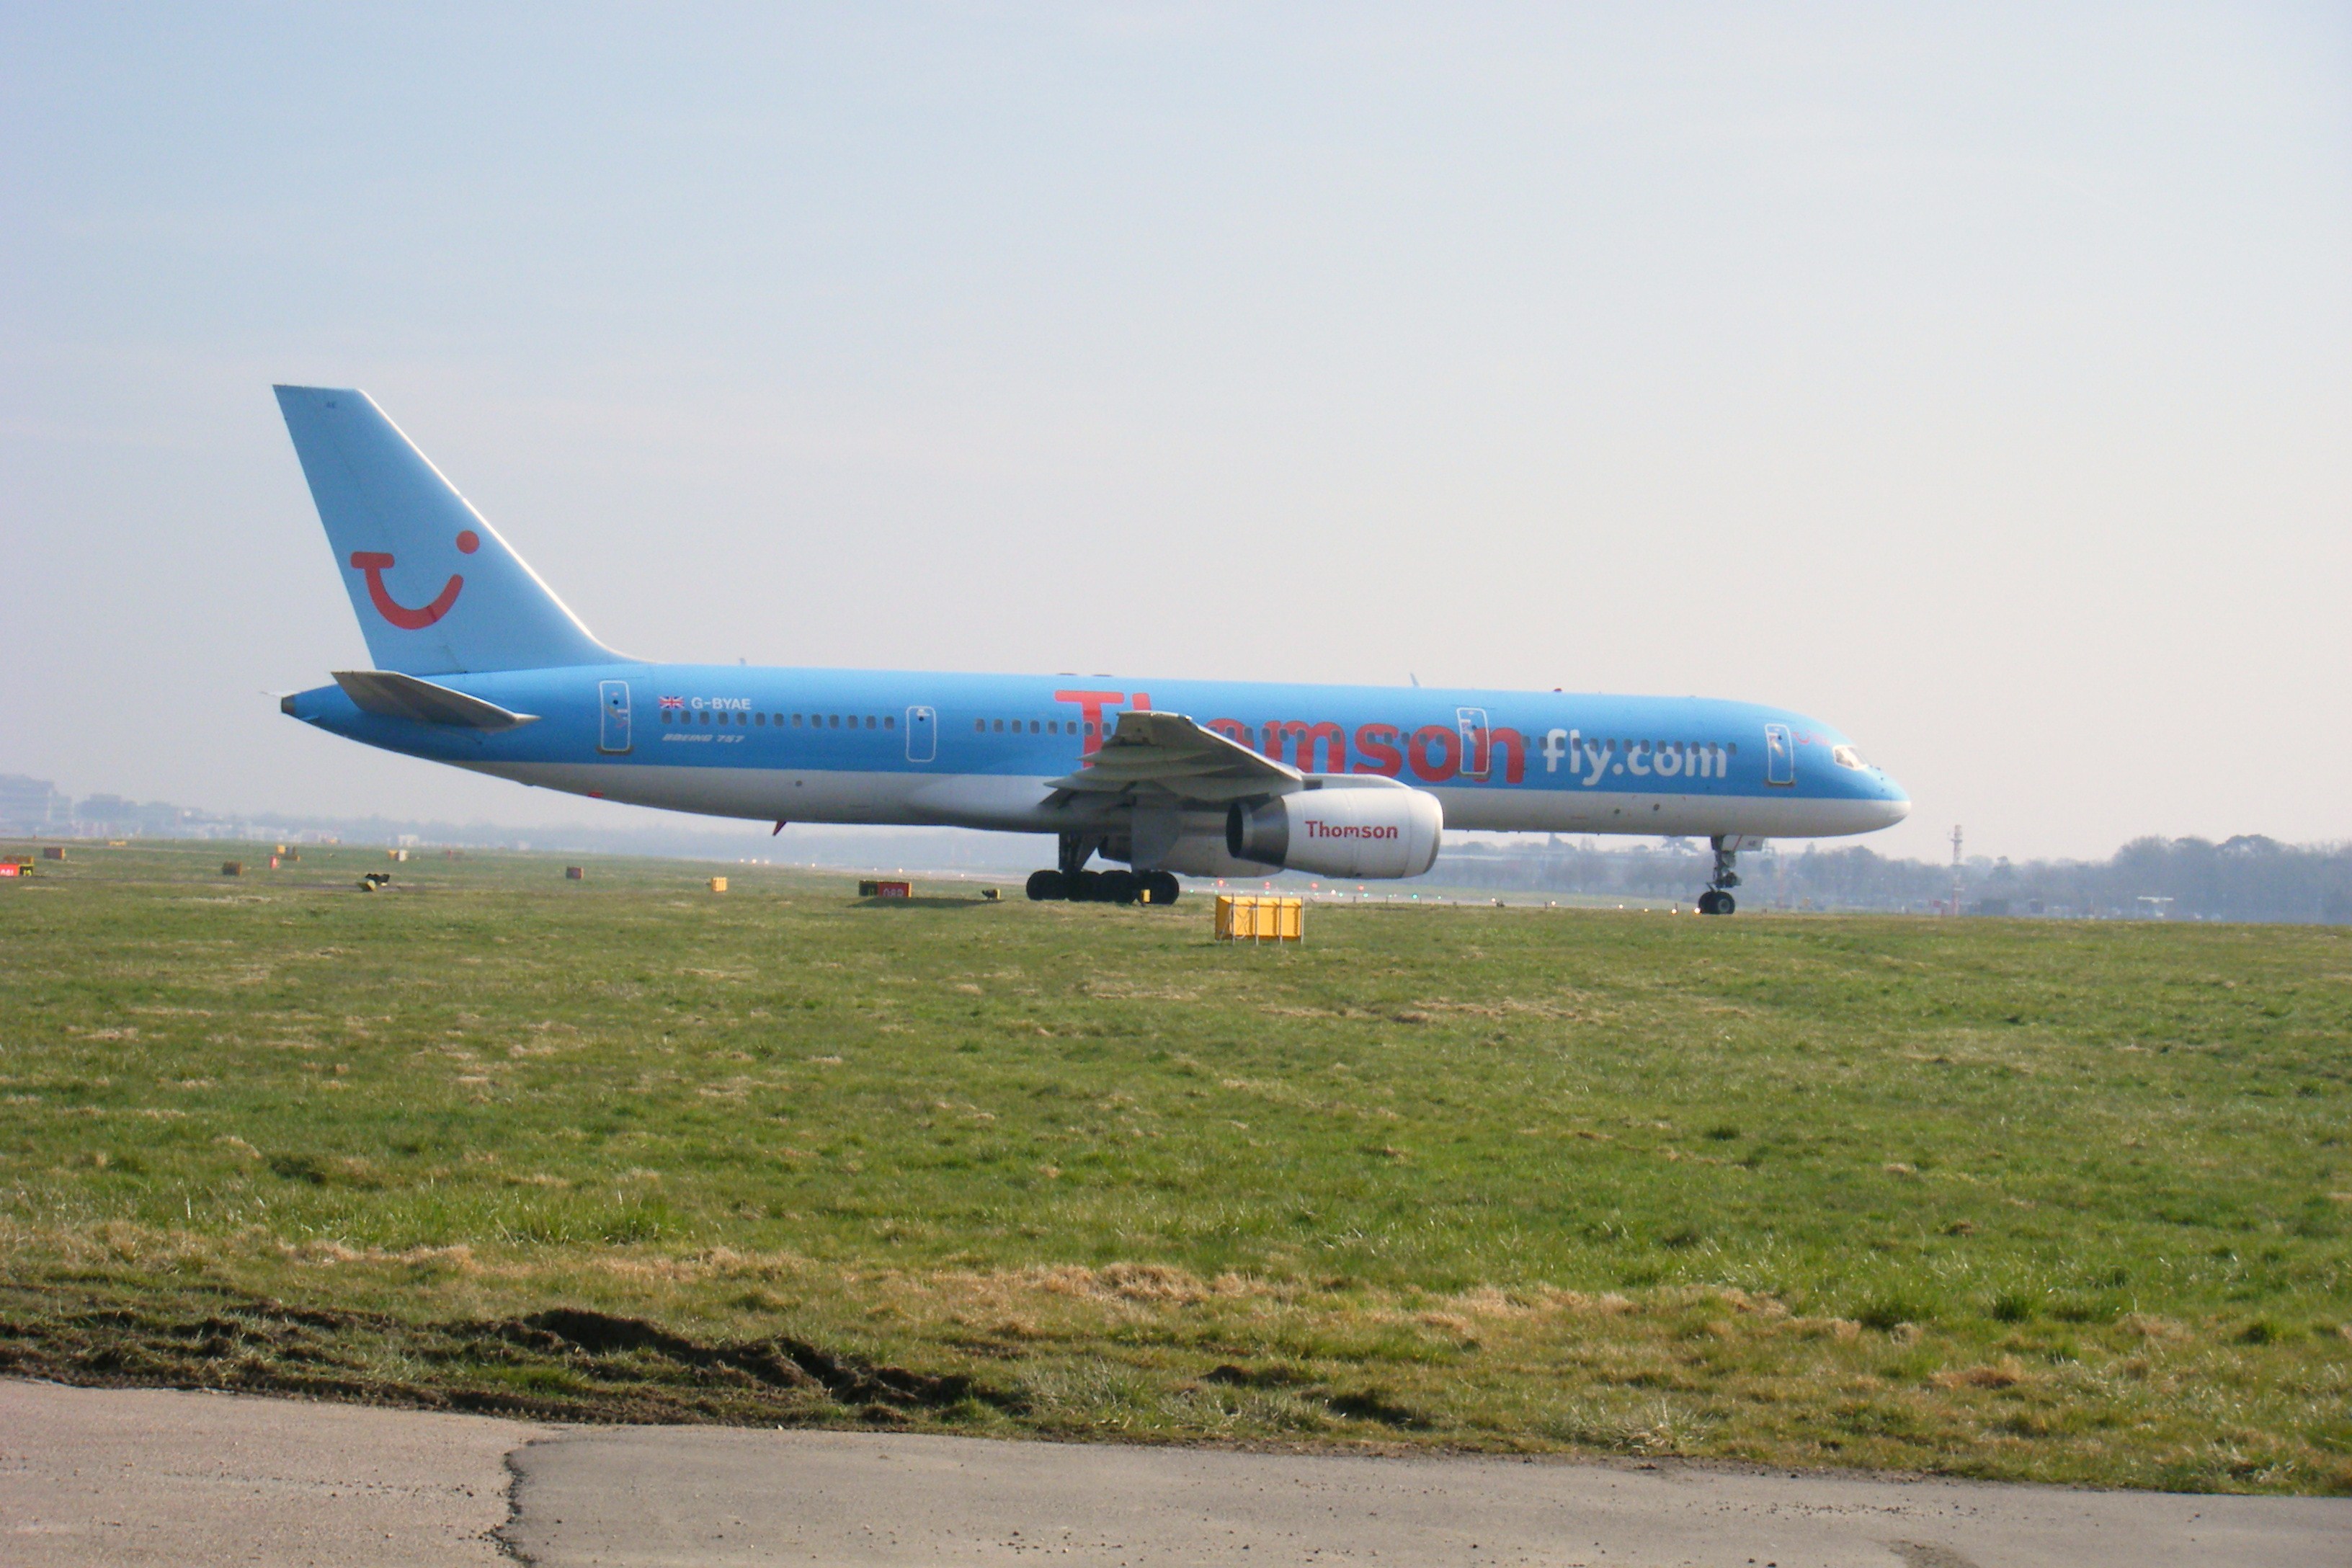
[{"x": 2068, "y": 1201}]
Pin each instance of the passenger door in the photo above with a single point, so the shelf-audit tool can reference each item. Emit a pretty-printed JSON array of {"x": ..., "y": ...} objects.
[
  {"x": 1476, "y": 751},
  {"x": 922, "y": 734},
  {"x": 1779, "y": 755},
  {"x": 613, "y": 722}
]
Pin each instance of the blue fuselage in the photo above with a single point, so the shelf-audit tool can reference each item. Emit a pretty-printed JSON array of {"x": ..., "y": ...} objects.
[{"x": 982, "y": 751}]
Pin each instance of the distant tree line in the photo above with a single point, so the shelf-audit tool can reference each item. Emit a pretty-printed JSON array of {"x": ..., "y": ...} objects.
[{"x": 2249, "y": 877}]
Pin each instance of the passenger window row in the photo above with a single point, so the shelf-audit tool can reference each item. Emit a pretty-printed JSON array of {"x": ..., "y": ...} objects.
[
  {"x": 1028, "y": 727},
  {"x": 799, "y": 721}
]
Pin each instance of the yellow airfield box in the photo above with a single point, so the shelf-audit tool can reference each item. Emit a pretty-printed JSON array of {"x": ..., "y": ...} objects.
[
  {"x": 717, "y": 884},
  {"x": 1250, "y": 916}
]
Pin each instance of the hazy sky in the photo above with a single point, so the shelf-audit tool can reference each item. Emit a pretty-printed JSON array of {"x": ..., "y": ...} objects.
[{"x": 1977, "y": 379}]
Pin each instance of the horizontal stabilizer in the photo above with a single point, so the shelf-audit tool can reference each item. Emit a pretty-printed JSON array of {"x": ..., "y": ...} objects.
[{"x": 391, "y": 696}]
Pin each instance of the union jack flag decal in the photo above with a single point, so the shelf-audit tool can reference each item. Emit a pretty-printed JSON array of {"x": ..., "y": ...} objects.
[{"x": 673, "y": 701}]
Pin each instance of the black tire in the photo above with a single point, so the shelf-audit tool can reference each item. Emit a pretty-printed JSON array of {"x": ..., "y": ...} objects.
[
  {"x": 1119, "y": 888},
  {"x": 1047, "y": 887},
  {"x": 1710, "y": 902},
  {"x": 1085, "y": 888},
  {"x": 1161, "y": 887},
  {"x": 1726, "y": 904}
]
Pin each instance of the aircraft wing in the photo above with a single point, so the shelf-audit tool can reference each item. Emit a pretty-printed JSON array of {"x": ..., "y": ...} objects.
[{"x": 1171, "y": 752}]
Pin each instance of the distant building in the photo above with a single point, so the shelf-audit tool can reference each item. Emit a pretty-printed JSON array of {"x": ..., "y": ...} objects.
[
  {"x": 115, "y": 816},
  {"x": 30, "y": 807}
]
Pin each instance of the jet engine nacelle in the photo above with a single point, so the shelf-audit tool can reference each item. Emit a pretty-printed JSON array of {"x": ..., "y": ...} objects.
[{"x": 1359, "y": 827}]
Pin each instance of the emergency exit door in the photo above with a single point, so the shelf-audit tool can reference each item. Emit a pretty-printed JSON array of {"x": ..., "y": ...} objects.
[
  {"x": 612, "y": 722},
  {"x": 1779, "y": 755},
  {"x": 922, "y": 734}
]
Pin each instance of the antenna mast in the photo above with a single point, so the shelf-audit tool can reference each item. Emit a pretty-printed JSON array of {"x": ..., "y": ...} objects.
[{"x": 1956, "y": 868}]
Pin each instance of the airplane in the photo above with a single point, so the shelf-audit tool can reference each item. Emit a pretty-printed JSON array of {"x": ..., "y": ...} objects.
[{"x": 480, "y": 666}]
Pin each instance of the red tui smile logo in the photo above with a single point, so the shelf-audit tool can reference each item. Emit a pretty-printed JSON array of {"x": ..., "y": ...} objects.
[{"x": 374, "y": 561}]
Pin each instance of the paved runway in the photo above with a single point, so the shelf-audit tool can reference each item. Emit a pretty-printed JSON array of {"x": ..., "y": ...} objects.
[
  {"x": 147, "y": 1476},
  {"x": 132, "y": 1477}
]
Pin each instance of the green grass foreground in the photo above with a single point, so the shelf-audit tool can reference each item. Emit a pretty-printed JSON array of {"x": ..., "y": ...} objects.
[{"x": 2051, "y": 1201}]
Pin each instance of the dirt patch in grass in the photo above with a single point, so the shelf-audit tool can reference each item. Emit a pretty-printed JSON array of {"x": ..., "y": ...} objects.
[{"x": 568, "y": 1363}]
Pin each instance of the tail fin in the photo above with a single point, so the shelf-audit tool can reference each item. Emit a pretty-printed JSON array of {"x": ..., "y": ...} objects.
[{"x": 436, "y": 590}]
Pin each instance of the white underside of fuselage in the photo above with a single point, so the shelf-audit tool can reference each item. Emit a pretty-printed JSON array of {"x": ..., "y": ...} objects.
[{"x": 1011, "y": 804}]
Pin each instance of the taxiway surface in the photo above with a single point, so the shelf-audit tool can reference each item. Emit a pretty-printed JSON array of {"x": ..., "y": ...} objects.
[{"x": 138, "y": 1476}]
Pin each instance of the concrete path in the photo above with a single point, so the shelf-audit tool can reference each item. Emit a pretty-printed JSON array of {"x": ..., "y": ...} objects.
[{"x": 139, "y": 1477}]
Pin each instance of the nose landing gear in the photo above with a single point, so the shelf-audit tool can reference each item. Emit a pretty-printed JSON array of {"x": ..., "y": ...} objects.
[{"x": 1717, "y": 899}]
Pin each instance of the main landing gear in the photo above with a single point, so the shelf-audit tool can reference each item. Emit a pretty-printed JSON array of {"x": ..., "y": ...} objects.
[
  {"x": 1073, "y": 882},
  {"x": 1717, "y": 899},
  {"x": 1105, "y": 887}
]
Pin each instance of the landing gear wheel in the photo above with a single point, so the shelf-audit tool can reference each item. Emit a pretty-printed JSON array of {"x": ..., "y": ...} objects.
[
  {"x": 1046, "y": 887},
  {"x": 1717, "y": 899},
  {"x": 1160, "y": 887},
  {"x": 1085, "y": 888},
  {"x": 1117, "y": 888}
]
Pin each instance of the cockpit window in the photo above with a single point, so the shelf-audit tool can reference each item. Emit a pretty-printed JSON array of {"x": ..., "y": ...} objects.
[{"x": 1846, "y": 757}]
